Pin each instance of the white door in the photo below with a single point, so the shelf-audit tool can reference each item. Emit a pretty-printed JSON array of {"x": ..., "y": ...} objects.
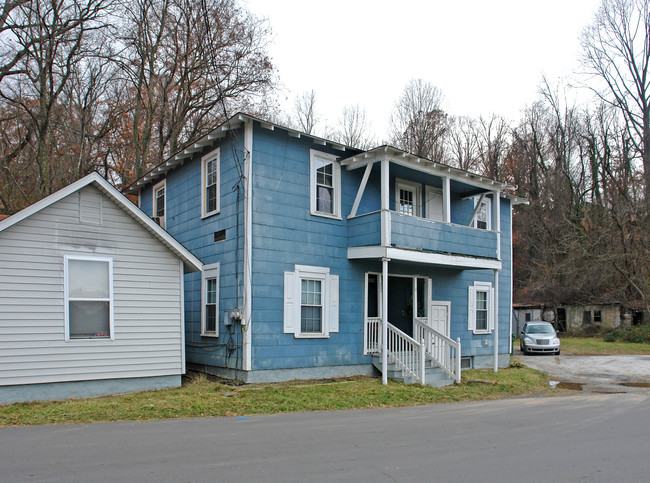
[
  {"x": 434, "y": 203},
  {"x": 439, "y": 317}
]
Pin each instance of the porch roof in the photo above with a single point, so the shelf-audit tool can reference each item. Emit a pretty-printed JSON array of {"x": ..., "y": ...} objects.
[
  {"x": 403, "y": 158},
  {"x": 424, "y": 257}
]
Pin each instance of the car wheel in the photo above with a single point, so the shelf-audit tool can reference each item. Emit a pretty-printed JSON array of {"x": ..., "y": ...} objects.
[
  {"x": 558, "y": 352},
  {"x": 524, "y": 350}
]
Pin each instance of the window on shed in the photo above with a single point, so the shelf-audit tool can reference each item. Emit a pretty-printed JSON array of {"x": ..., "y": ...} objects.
[
  {"x": 89, "y": 298},
  {"x": 586, "y": 317},
  {"x": 598, "y": 316},
  {"x": 528, "y": 316}
]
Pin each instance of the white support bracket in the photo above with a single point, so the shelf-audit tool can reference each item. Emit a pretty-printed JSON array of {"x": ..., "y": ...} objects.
[{"x": 362, "y": 188}]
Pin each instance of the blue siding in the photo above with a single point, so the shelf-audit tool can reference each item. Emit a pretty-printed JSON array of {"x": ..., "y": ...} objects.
[
  {"x": 183, "y": 221},
  {"x": 286, "y": 234},
  {"x": 411, "y": 232}
]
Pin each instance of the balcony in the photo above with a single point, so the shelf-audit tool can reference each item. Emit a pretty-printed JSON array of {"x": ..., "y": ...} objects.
[{"x": 418, "y": 234}]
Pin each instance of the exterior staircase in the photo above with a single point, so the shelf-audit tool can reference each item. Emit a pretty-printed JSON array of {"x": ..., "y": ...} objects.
[{"x": 434, "y": 375}]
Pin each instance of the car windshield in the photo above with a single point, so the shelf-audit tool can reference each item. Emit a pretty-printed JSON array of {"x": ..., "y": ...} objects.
[{"x": 540, "y": 329}]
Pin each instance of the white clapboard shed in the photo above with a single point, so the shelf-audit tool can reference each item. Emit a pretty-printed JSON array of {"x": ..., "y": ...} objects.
[{"x": 91, "y": 297}]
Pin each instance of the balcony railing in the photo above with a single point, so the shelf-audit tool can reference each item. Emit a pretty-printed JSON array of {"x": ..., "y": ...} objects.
[{"x": 420, "y": 234}]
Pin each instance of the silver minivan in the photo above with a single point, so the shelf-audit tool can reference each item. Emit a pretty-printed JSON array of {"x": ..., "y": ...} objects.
[{"x": 539, "y": 337}]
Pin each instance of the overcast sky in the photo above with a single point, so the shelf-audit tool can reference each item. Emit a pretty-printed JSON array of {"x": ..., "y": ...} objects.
[{"x": 486, "y": 56}]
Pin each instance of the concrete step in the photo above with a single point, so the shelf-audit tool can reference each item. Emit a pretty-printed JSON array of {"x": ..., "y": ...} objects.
[{"x": 434, "y": 375}]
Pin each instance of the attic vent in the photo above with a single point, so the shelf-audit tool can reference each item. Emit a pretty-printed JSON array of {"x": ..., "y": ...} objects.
[
  {"x": 90, "y": 207},
  {"x": 219, "y": 235}
]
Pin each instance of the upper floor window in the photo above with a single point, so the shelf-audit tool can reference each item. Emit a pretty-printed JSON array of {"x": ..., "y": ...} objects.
[
  {"x": 159, "y": 199},
  {"x": 483, "y": 218},
  {"x": 88, "y": 298},
  {"x": 407, "y": 197},
  {"x": 325, "y": 185},
  {"x": 210, "y": 183}
]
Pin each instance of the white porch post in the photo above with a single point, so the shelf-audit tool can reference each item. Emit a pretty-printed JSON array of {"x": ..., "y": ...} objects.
[
  {"x": 385, "y": 198},
  {"x": 384, "y": 320},
  {"x": 496, "y": 218},
  {"x": 446, "y": 212}
]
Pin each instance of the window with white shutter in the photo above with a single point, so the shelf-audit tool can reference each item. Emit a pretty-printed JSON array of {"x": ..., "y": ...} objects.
[{"x": 311, "y": 302}]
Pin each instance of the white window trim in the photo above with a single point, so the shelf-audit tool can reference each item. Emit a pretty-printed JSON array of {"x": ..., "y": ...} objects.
[
  {"x": 209, "y": 271},
  {"x": 204, "y": 161},
  {"x": 111, "y": 325},
  {"x": 154, "y": 202},
  {"x": 471, "y": 307},
  {"x": 488, "y": 209},
  {"x": 417, "y": 202},
  {"x": 329, "y": 299},
  {"x": 336, "y": 173}
]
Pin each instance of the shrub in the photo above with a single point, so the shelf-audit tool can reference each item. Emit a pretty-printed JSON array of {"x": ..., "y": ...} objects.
[{"x": 639, "y": 334}]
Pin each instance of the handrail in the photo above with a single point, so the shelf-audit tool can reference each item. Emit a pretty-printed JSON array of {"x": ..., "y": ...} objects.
[
  {"x": 407, "y": 353},
  {"x": 444, "y": 351},
  {"x": 372, "y": 335}
]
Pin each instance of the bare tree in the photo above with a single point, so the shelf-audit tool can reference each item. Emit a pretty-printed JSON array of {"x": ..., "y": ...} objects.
[
  {"x": 462, "y": 147},
  {"x": 189, "y": 63},
  {"x": 492, "y": 143},
  {"x": 418, "y": 123},
  {"x": 353, "y": 128},
  {"x": 305, "y": 117},
  {"x": 617, "y": 52}
]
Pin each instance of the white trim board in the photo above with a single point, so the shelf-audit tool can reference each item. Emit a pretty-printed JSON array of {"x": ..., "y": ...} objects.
[
  {"x": 191, "y": 263},
  {"x": 392, "y": 253}
]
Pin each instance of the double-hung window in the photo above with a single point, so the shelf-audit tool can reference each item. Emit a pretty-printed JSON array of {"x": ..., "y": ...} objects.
[
  {"x": 210, "y": 300},
  {"x": 483, "y": 215},
  {"x": 311, "y": 302},
  {"x": 88, "y": 297},
  {"x": 407, "y": 197},
  {"x": 210, "y": 183},
  {"x": 480, "y": 308},
  {"x": 159, "y": 199},
  {"x": 325, "y": 185}
]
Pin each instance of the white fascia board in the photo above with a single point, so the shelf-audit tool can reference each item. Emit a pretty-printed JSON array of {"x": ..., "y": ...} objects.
[
  {"x": 423, "y": 257},
  {"x": 192, "y": 264}
]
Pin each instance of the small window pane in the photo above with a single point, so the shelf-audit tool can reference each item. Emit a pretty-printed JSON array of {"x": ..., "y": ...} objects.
[
  {"x": 160, "y": 202},
  {"x": 310, "y": 319},
  {"x": 89, "y": 320},
  {"x": 406, "y": 202},
  {"x": 481, "y": 300},
  {"x": 211, "y": 318},
  {"x": 88, "y": 279},
  {"x": 481, "y": 320},
  {"x": 324, "y": 200},
  {"x": 211, "y": 290}
]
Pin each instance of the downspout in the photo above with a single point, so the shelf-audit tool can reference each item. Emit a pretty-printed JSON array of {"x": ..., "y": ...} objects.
[
  {"x": 248, "y": 235},
  {"x": 497, "y": 228},
  {"x": 511, "y": 280}
]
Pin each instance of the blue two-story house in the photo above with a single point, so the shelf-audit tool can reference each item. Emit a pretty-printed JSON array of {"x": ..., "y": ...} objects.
[{"x": 321, "y": 259}]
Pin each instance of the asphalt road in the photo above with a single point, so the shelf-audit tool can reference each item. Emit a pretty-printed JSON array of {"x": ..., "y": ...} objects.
[{"x": 587, "y": 437}]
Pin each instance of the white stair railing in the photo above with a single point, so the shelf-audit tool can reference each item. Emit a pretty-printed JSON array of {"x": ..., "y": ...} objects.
[
  {"x": 372, "y": 336},
  {"x": 444, "y": 351},
  {"x": 406, "y": 353}
]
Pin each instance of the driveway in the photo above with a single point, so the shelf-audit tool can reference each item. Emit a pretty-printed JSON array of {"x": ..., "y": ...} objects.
[{"x": 597, "y": 373}]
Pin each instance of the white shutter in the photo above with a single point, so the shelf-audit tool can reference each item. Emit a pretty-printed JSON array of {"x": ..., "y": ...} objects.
[
  {"x": 471, "y": 308},
  {"x": 334, "y": 302},
  {"x": 290, "y": 303},
  {"x": 492, "y": 303}
]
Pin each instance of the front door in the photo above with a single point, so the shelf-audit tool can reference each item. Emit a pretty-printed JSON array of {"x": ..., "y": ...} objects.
[{"x": 439, "y": 317}]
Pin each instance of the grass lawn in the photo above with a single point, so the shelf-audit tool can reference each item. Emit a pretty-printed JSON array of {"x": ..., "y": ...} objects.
[
  {"x": 202, "y": 397},
  {"x": 597, "y": 346}
]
